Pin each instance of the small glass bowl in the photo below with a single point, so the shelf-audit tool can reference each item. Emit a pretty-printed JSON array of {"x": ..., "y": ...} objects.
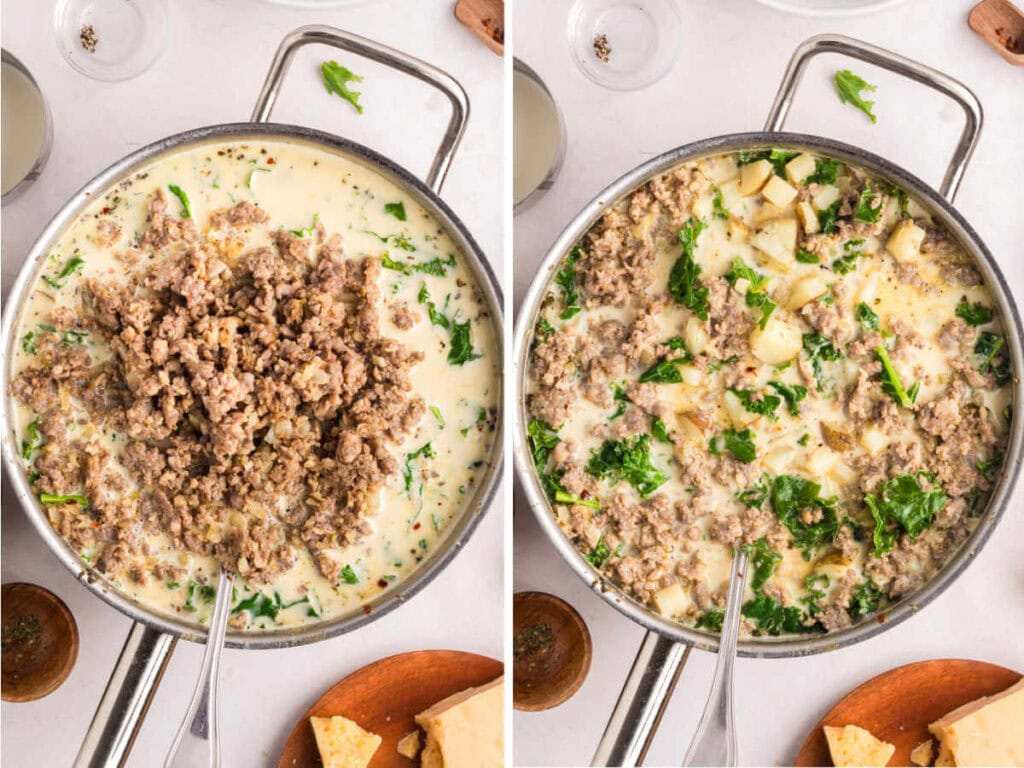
[
  {"x": 130, "y": 35},
  {"x": 10, "y": 60},
  {"x": 644, "y": 37}
]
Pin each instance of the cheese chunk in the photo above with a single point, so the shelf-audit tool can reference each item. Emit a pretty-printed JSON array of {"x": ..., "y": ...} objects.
[
  {"x": 409, "y": 745},
  {"x": 342, "y": 743},
  {"x": 465, "y": 730},
  {"x": 922, "y": 753},
  {"x": 852, "y": 745},
  {"x": 985, "y": 732}
]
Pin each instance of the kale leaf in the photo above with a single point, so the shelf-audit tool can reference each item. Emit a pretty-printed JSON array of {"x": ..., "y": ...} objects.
[
  {"x": 973, "y": 314},
  {"x": 628, "y": 460},
  {"x": 566, "y": 280},
  {"x": 849, "y": 87},
  {"x": 825, "y": 169},
  {"x": 683, "y": 283},
  {"x": 891, "y": 382},
  {"x": 902, "y": 503},
  {"x": 767, "y": 405},
  {"x": 711, "y": 620},
  {"x": 819, "y": 349},
  {"x": 336, "y": 79},
  {"x": 764, "y": 560},
  {"x": 866, "y": 317},
  {"x": 792, "y": 393},
  {"x": 792, "y": 496},
  {"x": 739, "y": 444}
]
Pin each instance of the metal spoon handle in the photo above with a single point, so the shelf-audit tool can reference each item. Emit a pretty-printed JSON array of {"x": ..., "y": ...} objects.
[
  {"x": 714, "y": 742},
  {"x": 196, "y": 744}
]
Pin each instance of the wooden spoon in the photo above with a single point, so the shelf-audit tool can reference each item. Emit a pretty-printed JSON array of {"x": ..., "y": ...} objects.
[
  {"x": 486, "y": 20},
  {"x": 1000, "y": 24},
  {"x": 552, "y": 651},
  {"x": 40, "y": 642}
]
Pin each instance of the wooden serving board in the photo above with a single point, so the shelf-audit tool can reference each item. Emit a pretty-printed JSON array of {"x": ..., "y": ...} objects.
[
  {"x": 385, "y": 697},
  {"x": 898, "y": 705}
]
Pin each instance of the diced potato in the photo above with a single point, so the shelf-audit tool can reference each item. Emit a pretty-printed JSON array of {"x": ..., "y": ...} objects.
[
  {"x": 672, "y": 601},
  {"x": 820, "y": 461},
  {"x": 702, "y": 206},
  {"x": 778, "y": 343},
  {"x": 873, "y": 439},
  {"x": 868, "y": 289},
  {"x": 905, "y": 241},
  {"x": 806, "y": 290},
  {"x": 778, "y": 461},
  {"x": 643, "y": 227},
  {"x": 808, "y": 218},
  {"x": 825, "y": 197},
  {"x": 695, "y": 336},
  {"x": 691, "y": 376},
  {"x": 738, "y": 230},
  {"x": 800, "y": 167},
  {"x": 836, "y": 438},
  {"x": 916, "y": 211},
  {"x": 777, "y": 239},
  {"x": 731, "y": 196},
  {"x": 753, "y": 176},
  {"x": 778, "y": 192},
  {"x": 739, "y": 415},
  {"x": 842, "y": 473},
  {"x": 766, "y": 212}
]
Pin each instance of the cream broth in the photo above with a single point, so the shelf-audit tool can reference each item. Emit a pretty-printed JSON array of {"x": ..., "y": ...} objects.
[{"x": 298, "y": 186}]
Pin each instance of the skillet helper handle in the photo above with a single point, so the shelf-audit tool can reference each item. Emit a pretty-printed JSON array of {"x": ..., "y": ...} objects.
[
  {"x": 346, "y": 41},
  {"x": 880, "y": 57},
  {"x": 646, "y": 692},
  {"x": 128, "y": 694}
]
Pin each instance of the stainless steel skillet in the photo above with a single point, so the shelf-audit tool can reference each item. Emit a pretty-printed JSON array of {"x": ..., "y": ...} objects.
[
  {"x": 152, "y": 637},
  {"x": 667, "y": 643}
]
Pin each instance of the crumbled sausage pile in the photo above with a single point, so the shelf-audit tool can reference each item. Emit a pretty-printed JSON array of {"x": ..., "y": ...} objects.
[{"x": 255, "y": 392}]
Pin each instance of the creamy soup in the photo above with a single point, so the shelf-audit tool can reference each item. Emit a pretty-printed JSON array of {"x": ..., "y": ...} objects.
[
  {"x": 162, "y": 320},
  {"x": 770, "y": 350}
]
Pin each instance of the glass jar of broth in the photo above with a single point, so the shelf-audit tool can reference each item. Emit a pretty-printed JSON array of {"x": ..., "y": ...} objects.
[{"x": 27, "y": 129}]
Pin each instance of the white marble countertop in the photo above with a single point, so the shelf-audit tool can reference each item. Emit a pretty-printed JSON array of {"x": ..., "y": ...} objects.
[
  {"x": 733, "y": 54},
  {"x": 218, "y": 53}
]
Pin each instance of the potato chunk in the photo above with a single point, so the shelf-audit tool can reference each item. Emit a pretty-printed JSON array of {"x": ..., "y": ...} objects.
[
  {"x": 671, "y": 601},
  {"x": 808, "y": 218},
  {"x": 904, "y": 243},
  {"x": 825, "y": 197},
  {"x": 806, "y": 290},
  {"x": 778, "y": 343},
  {"x": 800, "y": 167},
  {"x": 778, "y": 192},
  {"x": 753, "y": 176},
  {"x": 777, "y": 239}
]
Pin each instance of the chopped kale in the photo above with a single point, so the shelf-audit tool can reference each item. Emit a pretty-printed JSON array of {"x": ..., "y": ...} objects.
[
  {"x": 566, "y": 280},
  {"x": 865, "y": 599},
  {"x": 764, "y": 561},
  {"x": 33, "y": 440},
  {"x": 765, "y": 405},
  {"x": 994, "y": 360},
  {"x": 973, "y": 314},
  {"x": 828, "y": 217},
  {"x": 51, "y": 498},
  {"x": 719, "y": 210},
  {"x": 739, "y": 444},
  {"x": 757, "y": 494},
  {"x": 903, "y": 503},
  {"x": 683, "y": 283},
  {"x": 849, "y": 87},
  {"x": 395, "y": 209},
  {"x": 711, "y": 620},
  {"x": 599, "y": 554},
  {"x": 348, "y": 575},
  {"x": 426, "y": 451},
  {"x": 825, "y": 169},
  {"x": 186, "y": 205},
  {"x": 819, "y": 349},
  {"x": 891, "y": 382},
  {"x": 868, "y": 209},
  {"x": 336, "y": 79},
  {"x": 664, "y": 372},
  {"x": 791, "y": 393},
  {"x": 659, "y": 430},
  {"x": 806, "y": 257},
  {"x": 71, "y": 266},
  {"x": 794, "y": 496},
  {"x": 866, "y": 317},
  {"x": 769, "y": 617},
  {"x": 628, "y": 460}
]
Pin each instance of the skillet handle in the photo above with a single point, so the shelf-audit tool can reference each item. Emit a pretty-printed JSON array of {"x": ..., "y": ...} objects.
[
  {"x": 642, "y": 702},
  {"x": 319, "y": 33},
  {"x": 857, "y": 49},
  {"x": 128, "y": 694}
]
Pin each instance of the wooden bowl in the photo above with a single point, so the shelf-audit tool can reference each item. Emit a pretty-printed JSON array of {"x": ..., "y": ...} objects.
[
  {"x": 898, "y": 705},
  {"x": 1000, "y": 24},
  {"x": 552, "y": 651},
  {"x": 40, "y": 642},
  {"x": 385, "y": 697}
]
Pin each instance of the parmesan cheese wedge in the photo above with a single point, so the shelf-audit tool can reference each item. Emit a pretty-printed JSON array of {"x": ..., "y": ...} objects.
[
  {"x": 853, "y": 746},
  {"x": 342, "y": 743},
  {"x": 465, "y": 730},
  {"x": 922, "y": 753},
  {"x": 988, "y": 731}
]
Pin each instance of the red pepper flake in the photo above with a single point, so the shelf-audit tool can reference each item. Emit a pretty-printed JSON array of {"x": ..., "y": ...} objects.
[
  {"x": 270, "y": 161},
  {"x": 382, "y": 583},
  {"x": 107, "y": 209},
  {"x": 367, "y": 610},
  {"x": 417, "y": 526}
]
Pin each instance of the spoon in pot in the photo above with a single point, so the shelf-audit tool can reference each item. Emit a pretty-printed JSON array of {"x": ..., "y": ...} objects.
[
  {"x": 196, "y": 744},
  {"x": 714, "y": 742}
]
